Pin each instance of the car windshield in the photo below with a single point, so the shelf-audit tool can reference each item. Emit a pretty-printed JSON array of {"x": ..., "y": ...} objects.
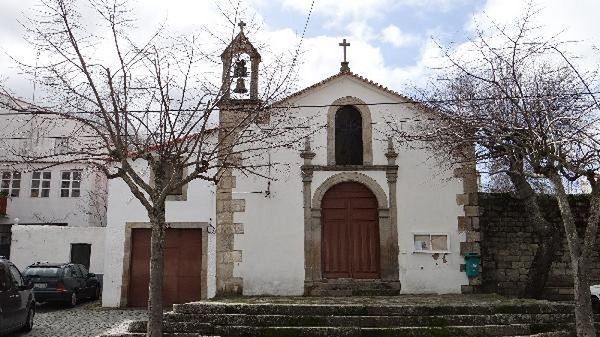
[{"x": 42, "y": 272}]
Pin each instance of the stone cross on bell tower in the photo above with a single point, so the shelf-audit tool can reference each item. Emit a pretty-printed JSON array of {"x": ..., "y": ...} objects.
[
  {"x": 242, "y": 24},
  {"x": 344, "y": 68}
]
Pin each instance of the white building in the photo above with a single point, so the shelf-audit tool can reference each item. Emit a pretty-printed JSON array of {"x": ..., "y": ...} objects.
[
  {"x": 353, "y": 214},
  {"x": 56, "y": 211}
]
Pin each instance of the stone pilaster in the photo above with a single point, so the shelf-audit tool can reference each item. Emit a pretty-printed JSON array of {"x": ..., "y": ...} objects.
[
  {"x": 227, "y": 256},
  {"x": 392, "y": 248},
  {"x": 307, "y": 175},
  {"x": 469, "y": 222}
]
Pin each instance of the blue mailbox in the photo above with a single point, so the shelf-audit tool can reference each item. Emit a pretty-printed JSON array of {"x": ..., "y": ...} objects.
[{"x": 472, "y": 262}]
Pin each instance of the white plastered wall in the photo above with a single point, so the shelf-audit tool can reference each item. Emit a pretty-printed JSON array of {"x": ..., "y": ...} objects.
[
  {"x": 31, "y": 244},
  {"x": 86, "y": 210},
  {"x": 273, "y": 241},
  {"x": 124, "y": 208}
]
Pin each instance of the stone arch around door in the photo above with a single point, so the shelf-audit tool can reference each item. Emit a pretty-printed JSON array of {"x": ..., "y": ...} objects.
[{"x": 388, "y": 237}]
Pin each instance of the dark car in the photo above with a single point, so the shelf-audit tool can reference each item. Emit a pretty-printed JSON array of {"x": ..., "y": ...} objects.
[
  {"x": 17, "y": 303},
  {"x": 62, "y": 282}
]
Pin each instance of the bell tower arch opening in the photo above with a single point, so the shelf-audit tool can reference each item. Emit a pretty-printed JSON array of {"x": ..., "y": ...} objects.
[{"x": 240, "y": 66}]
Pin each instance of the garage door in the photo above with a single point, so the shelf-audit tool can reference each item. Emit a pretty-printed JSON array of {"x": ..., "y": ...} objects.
[{"x": 183, "y": 266}]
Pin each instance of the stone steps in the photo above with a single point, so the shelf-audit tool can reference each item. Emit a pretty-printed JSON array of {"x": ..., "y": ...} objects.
[
  {"x": 143, "y": 334},
  {"x": 303, "y": 317},
  {"x": 367, "y": 321},
  {"x": 309, "y": 331},
  {"x": 368, "y": 309},
  {"x": 558, "y": 293},
  {"x": 371, "y": 320}
]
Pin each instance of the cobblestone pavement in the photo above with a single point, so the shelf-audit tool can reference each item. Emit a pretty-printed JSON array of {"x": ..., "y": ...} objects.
[{"x": 85, "y": 320}]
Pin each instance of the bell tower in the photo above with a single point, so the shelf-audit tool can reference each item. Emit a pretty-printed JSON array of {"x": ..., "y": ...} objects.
[
  {"x": 237, "y": 58},
  {"x": 238, "y": 106}
]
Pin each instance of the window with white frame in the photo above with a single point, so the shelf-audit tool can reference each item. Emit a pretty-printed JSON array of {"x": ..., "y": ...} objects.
[
  {"x": 61, "y": 145},
  {"x": 431, "y": 243},
  {"x": 40, "y": 184},
  {"x": 70, "y": 184},
  {"x": 10, "y": 183}
]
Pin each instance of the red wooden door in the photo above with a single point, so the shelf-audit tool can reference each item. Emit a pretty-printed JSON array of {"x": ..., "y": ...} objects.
[
  {"x": 182, "y": 271},
  {"x": 350, "y": 232}
]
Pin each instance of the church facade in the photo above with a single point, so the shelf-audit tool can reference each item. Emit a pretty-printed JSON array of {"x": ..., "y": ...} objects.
[{"x": 348, "y": 212}]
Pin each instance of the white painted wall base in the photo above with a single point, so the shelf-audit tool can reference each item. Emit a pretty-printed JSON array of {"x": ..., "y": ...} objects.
[{"x": 53, "y": 244}]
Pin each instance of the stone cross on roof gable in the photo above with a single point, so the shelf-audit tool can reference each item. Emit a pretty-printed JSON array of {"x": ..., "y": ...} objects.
[
  {"x": 344, "y": 67},
  {"x": 242, "y": 24}
]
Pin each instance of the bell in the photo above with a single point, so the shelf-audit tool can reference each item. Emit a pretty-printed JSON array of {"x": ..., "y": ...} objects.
[
  {"x": 240, "y": 86},
  {"x": 240, "y": 69}
]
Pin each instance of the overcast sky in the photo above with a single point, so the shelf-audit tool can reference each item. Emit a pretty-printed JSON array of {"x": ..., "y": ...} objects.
[{"x": 391, "y": 40}]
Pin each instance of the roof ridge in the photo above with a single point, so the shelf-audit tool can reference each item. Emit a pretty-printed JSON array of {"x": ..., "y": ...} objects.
[{"x": 340, "y": 74}]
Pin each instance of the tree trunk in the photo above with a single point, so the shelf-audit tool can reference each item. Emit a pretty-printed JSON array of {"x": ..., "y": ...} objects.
[
  {"x": 537, "y": 277},
  {"x": 549, "y": 238},
  {"x": 155, "y": 301},
  {"x": 584, "y": 319}
]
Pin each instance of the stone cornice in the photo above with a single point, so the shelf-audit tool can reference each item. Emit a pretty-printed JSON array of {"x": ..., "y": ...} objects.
[{"x": 350, "y": 167}]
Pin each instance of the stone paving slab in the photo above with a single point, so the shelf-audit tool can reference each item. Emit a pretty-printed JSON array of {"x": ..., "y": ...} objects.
[{"x": 85, "y": 320}]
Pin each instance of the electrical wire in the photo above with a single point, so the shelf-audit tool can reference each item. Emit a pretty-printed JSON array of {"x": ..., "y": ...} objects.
[{"x": 18, "y": 111}]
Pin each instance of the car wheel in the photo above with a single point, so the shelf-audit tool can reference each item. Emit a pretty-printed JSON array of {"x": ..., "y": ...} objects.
[
  {"x": 596, "y": 305},
  {"x": 29, "y": 322},
  {"x": 73, "y": 301}
]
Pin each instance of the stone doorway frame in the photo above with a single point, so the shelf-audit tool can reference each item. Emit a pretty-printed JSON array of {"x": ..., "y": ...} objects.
[
  {"x": 125, "y": 275},
  {"x": 388, "y": 231}
]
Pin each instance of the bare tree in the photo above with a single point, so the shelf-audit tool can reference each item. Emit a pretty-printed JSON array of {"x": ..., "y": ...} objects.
[
  {"x": 519, "y": 102},
  {"x": 150, "y": 106}
]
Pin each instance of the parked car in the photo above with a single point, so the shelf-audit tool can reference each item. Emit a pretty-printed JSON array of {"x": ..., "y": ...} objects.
[
  {"x": 62, "y": 282},
  {"x": 17, "y": 303},
  {"x": 596, "y": 298}
]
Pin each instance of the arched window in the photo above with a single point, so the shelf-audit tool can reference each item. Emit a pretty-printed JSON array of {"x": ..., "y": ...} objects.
[{"x": 348, "y": 136}]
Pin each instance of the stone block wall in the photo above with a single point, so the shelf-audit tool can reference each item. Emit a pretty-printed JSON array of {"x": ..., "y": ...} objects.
[{"x": 508, "y": 244}]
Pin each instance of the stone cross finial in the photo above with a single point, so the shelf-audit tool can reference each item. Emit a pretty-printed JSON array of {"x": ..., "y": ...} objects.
[
  {"x": 307, "y": 144},
  {"x": 344, "y": 67},
  {"x": 307, "y": 154},
  {"x": 242, "y": 24},
  {"x": 391, "y": 153},
  {"x": 344, "y": 44}
]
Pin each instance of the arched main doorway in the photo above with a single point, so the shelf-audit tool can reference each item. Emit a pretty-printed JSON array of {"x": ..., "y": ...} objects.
[{"x": 350, "y": 232}]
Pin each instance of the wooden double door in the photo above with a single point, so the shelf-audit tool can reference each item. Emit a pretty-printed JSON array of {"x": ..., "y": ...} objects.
[
  {"x": 182, "y": 271},
  {"x": 350, "y": 233}
]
